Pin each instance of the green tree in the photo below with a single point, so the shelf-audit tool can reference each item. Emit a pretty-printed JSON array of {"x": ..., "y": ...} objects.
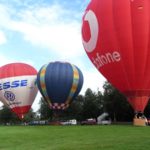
[
  {"x": 44, "y": 111},
  {"x": 30, "y": 116},
  {"x": 92, "y": 104},
  {"x": 116, "y": 104},
  {"x": 6, "y": 116},
  {"x": 75, "y": 109}
]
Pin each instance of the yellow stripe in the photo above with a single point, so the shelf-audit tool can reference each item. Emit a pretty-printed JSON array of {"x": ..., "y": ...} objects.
[
  {"x": 43, "y": 85},
  {"x": 74, "y": 84}
]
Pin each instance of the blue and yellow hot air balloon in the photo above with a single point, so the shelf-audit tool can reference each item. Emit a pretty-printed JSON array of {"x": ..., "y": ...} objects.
[{"x": 59, "y": 83}]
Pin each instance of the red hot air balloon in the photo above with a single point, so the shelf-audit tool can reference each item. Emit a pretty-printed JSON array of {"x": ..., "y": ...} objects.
[
  {"x": 115, "y": 35},
  {"x": 17, "y": 87}
]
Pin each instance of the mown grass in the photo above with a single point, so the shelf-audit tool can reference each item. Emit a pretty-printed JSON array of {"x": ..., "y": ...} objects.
[{"x": 114, "y": 137}]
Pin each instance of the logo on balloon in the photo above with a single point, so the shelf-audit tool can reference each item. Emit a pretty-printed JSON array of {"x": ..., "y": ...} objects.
[
  {"x": 91, "y": 18},
  {"x": 9, "y": 96},
  {"x": 98, "y": 59}
]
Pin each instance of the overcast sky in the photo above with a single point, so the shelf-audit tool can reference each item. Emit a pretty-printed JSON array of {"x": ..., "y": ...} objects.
[{"x": 40, "y": 31}]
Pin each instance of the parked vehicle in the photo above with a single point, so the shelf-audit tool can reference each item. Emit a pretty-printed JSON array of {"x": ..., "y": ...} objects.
[
  {"x": 104, "y": 119},
  {"x": 90, "y": 121},
  {"x": 69, "y": 122},
  {"x": 38, "y": 122}
]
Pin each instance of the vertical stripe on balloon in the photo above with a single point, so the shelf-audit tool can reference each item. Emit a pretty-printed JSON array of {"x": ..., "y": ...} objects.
[
  {"x": 74, "y": 84},
  {"x": 43, "y": 85}
]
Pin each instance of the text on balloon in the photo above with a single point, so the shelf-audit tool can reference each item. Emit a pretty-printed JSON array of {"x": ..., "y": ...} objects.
[{"x": 13, "y": 84}]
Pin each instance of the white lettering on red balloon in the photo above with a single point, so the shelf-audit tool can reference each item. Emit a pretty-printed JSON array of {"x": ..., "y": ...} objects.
[{"x": 107, "y": 58}]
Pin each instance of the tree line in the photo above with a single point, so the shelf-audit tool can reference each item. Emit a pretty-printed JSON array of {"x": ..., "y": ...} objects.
[{"x": 90, "y": 105}]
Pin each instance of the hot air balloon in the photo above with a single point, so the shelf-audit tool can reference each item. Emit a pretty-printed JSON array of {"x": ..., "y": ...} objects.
[
  {"x": 115, "y": 36},
  {"x": 59, "y": 83},
  {"x": 18, "y": 87}
]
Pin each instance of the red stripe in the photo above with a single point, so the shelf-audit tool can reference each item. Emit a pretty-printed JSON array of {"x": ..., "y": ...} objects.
[
  {"x": 21, "y": 111},
  {"x": 16, "y": 69}
]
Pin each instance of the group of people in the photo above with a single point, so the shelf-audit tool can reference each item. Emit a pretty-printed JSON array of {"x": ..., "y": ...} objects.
[{"x": 141, "y": 116}]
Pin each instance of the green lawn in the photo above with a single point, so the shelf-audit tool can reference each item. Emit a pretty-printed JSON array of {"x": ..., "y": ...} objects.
[{"x": 114, "y": 137}]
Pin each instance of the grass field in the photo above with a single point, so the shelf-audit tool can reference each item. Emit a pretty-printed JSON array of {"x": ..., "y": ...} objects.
[{"x": 114, "y": 137}]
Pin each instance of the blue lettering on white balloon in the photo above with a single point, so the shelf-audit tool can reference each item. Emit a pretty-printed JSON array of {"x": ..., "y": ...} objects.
[{"x": 13, "y": 84}]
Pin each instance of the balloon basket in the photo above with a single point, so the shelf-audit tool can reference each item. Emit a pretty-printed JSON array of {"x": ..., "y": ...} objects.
[{"x": 140, "y": 120}]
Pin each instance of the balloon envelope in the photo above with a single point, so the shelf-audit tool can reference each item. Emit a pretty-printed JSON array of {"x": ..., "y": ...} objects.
[
  {"x": 116, "y": 37},
  {"x": 59, "y": 83},
  {"x": 17, "y": 87}
]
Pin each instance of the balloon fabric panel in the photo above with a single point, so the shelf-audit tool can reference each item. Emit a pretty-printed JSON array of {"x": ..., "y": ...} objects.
[
  {"x": 17, "y": 69},
  {"x": 42, "y": 85},
  {"x": 80, "y": 82},
  {"x": 58, "y": 79}
]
